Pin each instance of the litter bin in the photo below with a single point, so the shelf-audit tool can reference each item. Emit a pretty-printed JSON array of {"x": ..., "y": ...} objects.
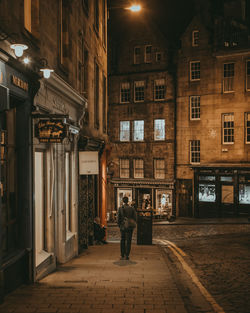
[{"x": 144, "y": 227}]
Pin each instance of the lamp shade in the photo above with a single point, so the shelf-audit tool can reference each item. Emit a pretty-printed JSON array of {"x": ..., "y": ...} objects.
[{"x": 18, "y": 49}]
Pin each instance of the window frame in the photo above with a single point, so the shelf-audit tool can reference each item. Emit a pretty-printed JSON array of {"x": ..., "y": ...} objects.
[
  {"x": 247, "y": 127},
  {"x": 161, "y": 139},
  {"x": 159, "y": 169},
  {"x": 224, "y": 128},
  {"x": 141, "y": 169},
  {"x": 191, "y": 108},
  {"x": 120, "y": 131},
  {"x": 227, "y": 78},
  {"x": 128, "y": 92},
  {"x": 138, "y": 131},
  {"x": 148, "y": 57},
  {"x": 191, "y": 71},
  {"x": 160, "y": 91},
  {"x": 137, "y": 57},
  {"x": 194, "y": 44},
  {"x": 192, "y": 151},
  {"x": 139, "y": 81},
  {"x": 124, "y": 168}
]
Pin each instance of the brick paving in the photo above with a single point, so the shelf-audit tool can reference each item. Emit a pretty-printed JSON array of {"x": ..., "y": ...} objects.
[{"x": 97, "y": 281}]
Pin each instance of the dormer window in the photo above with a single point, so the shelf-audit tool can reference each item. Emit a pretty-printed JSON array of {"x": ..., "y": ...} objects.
[{"x": 195, "y": 38}]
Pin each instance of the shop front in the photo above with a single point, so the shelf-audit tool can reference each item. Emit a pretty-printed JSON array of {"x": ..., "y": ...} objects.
[
  {"x": 222, "y": 191},
  {"x": 16, "y": 98},
  {"x": 145, "y": 195}
]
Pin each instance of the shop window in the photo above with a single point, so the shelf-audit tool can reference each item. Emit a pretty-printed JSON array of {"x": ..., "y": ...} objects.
[
  {"x": 195, "y": 107},
  {"x": 148, "y": 54},
  {"x": 228, "y": 81},
  {"x": 195, "y": 73},
  {"x": 207, "y": 192},
  {"x": 247, "y": 127},
  {"x": 68, "y": 195},
  {"x": 159, "y": 168},
  {"x": 195, "y": 38},
  {"x": 124, "y": 130},
  {"x": 247, "y": 75},
  {"x": 163, "y": 203},
  {"x": 31, "y": 16},
  {"x": 123, "y": 193},
  {"x": 244, "y": 194},
  {"x": 124, "y": 168},
  {"x": 138, "y": 131},
  {"x": 137, "y": 55},
  {"x": 228, "y": 128},
  {"x": 159, "y": 89},
  {"x": 195, "y": 151},
  {"x": 125, "y": 92},
  {"x": 159, "y": 129},
  {"x": 139, "y": 91},
  {"x": 138, "y": 168}
]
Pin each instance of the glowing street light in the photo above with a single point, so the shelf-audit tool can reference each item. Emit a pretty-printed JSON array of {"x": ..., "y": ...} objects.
[
  {"x": 18, "y": 49},
  {"x": 134, "y": 8}
]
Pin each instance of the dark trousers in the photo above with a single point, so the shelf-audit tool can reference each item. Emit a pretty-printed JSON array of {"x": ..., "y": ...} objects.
[{"x": 126, "y": 237}]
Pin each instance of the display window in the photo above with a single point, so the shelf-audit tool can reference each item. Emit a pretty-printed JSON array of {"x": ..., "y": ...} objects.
[
  {"x": 163, "y": 203},
  {"x": 244, "y": 194},
  {"x": 207, "y": 192},
  {"x": 123, "y": 193}
]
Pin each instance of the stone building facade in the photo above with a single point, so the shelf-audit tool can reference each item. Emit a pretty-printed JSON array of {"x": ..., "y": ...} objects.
[
  {"x": 213, "y": 116},
  {"x": 141, "y": 117},
  {"x": 46, "y": 212}
]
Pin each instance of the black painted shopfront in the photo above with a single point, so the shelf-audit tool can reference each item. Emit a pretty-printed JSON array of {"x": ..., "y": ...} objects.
[{"x": 222, "y": 191}]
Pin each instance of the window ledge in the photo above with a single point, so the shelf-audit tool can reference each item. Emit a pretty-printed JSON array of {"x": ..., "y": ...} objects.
[
  {"x": 42, "y": 256},
  {"x": 70, "y": 235}
]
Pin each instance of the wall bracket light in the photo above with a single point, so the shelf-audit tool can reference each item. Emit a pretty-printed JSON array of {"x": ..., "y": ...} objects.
[
  {"x": 45, "y": 69},
  {"x": 17, "y": 47}
]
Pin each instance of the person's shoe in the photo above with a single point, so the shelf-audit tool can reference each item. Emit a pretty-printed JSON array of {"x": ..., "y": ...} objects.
[{"x": 127, "y": 257}]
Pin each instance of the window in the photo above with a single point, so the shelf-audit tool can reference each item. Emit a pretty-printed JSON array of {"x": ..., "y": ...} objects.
[
  {"x": 86, "y": 72},
  {"x": 125, "y": 92},
  {"x": 139, "y": 91},
  {"x": 195, "y": 151},
  {"x": 124, "y": 168},
  {"x": 158, "y": 56},
  {"x": 96, "y": 16},
  {"x": 31, "y": 16},
  {"x": 195, "y": 70},
  {"x": 159, "y": 129},
  {"x": 228, "y": 82},
  {"x": 160, "y": 89},
  {"x": 247, "y": 127},
  {"x": 96, "y": 97},
  {"x": 83, "y": 69},
  {"x": 228, "y": 128},
  {"x": 194, "y": 107},
  {"x": 159, "y": 168},
  {"x": 68, "y": 191},
  {"x": 195, "y": 38},
  {"x": 137, "y": 55},
  {"x": 124, "y": 130},
  {"x": 64, "y": 33},
  {"x": 248, "y": 75},
  {"x": 138, "y": 168},
  {"x": 104, "y": 100},
  {"x": 138, "y": 131},
  {"x": 148, "y": 54}
]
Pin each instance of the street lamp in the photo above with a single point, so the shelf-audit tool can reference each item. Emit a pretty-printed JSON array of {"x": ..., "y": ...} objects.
[
  {"x": 18, "y": 49},
  {"x": 134, "y": 8}
]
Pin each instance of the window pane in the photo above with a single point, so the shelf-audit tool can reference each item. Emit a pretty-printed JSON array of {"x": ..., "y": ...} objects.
[
  {"x": 125, "y": 92},
  {"x": 195, "y": 107},
  {"x": 207, "y": 193},
  {"x": 148, "y": 54},
  {"x": 160, "y": 89},
  {"x": 124, "y": 130},
  {"x": 159, "y": 167},
  {"x": 138, "y": 131},
  {"x": 195, "y": 39},
  {"x": 228, "y": 77},
  {"x": 139, "y": 91},
  {"x": 244, "y": 194},
  {"x": 195, "y": 151},
  {"x": 159, "y": 131},
  {"x": 247, "y": 126},
  {"x": 228, "y": 128},
  {"x": 124, "y": 168},
  {"x": 137, "y": 54},
  {"x": 195, "y": 70},
  {"x": 138, "y": 168}
]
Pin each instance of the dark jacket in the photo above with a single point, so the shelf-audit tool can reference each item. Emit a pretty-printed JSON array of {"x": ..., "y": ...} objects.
[{"x": 125, "y": 211}]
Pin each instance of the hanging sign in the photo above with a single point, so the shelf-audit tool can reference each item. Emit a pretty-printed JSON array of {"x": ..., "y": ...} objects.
[
  {"x": 51, "y": 131},
  {"x": 88, "y": 163}
]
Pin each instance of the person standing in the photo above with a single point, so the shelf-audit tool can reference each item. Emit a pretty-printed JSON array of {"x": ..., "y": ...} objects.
[{"x": 125, "y": 211}]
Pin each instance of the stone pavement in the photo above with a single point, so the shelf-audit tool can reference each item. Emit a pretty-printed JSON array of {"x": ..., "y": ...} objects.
[{"x": 97, "y": 281}]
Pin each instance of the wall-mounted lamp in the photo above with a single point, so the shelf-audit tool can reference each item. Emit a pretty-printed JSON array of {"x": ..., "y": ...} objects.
[
  {"x": 134, "y": 8},
  {"x": 18, "y": 49},
  {"x": 45, "y": 69}
]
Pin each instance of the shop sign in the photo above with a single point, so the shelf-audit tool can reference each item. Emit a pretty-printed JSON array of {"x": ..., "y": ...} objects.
[
  {"x": 51, "y": 131},
  {"x": 18, "y": 82},
  {"x": 88, "y": 163}
]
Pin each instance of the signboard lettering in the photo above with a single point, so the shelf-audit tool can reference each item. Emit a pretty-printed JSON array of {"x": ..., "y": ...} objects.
[
  {"x": 18, "y": 82},
  {"x": 51, "y": 131}
]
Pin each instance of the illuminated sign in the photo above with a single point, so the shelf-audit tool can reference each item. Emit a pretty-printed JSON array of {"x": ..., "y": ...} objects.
[
  {"x": 18, "y": 82},
  {"x": 51, "y": 131}
]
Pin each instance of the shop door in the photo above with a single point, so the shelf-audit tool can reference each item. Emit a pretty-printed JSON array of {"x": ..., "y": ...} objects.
[
  {"x": 227, "y": 207},
  {"x": 144, "y": 199}
]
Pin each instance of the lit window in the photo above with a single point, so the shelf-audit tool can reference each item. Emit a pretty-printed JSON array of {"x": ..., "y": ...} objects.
[
  {"x": 228, "y": 128},
  {"x": 124, "y": 168},
  {"x": 195, "y": 73},
  {"x": 139, "y": 91},
  {"x": 124, "y": 130},
  {"x": 148, "y": 54},
  {"x": 31, "y": 16},
  {"x": 137, "y": 55},
  {"x": 160, "y": 89},
  {"x": 248, "y": 75},
  {"x": 159, "y": 168},
  {"x": 228, "y": 82},
  {"x": 138, "y": 131},
  {"x": 195, "y": 151},
  {"x": 138, "y": 168},
  {"x": 195, "y": 38},
  {"x": 159, "y": 129},
  {"x": 247, "y": 127},
  {"x": 125, "y": 92},
  {"x": 195, "y": 107}
]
